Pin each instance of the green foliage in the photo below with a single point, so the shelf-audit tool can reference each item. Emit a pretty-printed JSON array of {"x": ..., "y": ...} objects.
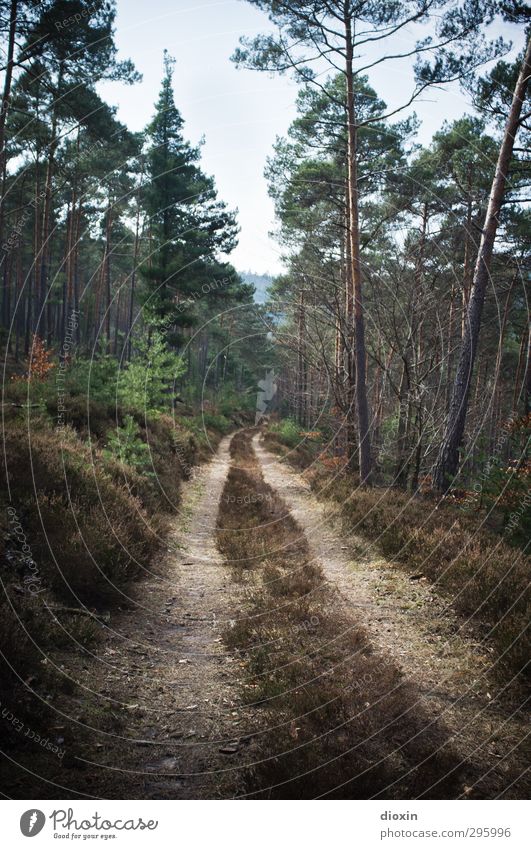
[
  {"x": 216, "y": 421},
  {"x": 229, "y": 400},
  {"x": 125, "y": 444},
  {"x": 93, "y": 378},
  {"x": 287, "y": 431},
  {"x": 146, "y": 382},
  {"x": 504, "y": 493},
  {"x": 179, "y": 199}
]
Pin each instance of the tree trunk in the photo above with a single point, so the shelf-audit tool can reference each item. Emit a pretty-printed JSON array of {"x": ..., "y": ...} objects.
[
  {"x": 133, "y": 283},
  {"x": 448, "y": 460},
  {"x": 4, "y": 106},
  {"x": 449, "y": 352},
  {"x": 107, "y": 272},
  {"x": 521, "y": 388},
  {"x": 362, "y": 404},
  {"x": 401, "y": 433},
  {"x": 467, "y": 260},
  {"x": 44, "y": 314},
  {"x": 302, "y": 379}
]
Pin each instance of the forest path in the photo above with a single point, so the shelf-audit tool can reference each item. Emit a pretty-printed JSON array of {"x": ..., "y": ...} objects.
[
  {"x": 183, "y": 739},
  {"x": 408, "y": 623}
]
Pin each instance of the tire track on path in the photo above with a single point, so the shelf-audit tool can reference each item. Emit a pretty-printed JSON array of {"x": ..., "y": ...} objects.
[
  {"x": 183, "y": 739},
  {"x": 408, "y": 622}
]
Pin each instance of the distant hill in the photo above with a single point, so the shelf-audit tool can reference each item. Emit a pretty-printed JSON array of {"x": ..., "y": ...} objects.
[{"x": 261, "y": 283}]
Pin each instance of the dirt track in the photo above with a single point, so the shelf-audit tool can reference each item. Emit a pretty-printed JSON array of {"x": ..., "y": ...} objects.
[
  {"x": 163, "y": 665},
  {"x": 170, "y": 669}
]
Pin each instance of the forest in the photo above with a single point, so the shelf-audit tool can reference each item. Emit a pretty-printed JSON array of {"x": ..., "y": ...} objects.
[{"x": 386, "y": 466}]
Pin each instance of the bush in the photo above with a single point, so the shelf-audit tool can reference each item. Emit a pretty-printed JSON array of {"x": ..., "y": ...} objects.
[
  {"x": 124, "y": 444},
  {"x": 287, "y": 431},
  {"x": 216, "y": 421},
  {"x": 94, "y": 380},
  {"x": 88, "y": 534},
  {"x": 147, "y": 382}
]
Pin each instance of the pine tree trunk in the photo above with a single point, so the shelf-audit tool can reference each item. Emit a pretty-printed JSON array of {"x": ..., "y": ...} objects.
[
  {"x": 302, "y": 387},
  {"x": 467, "y": 260},
  {"x": 7, "y": 81},
  {"x": 4, "y": 106},
  {"x": 129, "y": 328},
  {"x": 362, "y": 404},
  {"x": 449, "y": 352},
  {"x": 350, "y": 354},
  {"x": 448, "y": 460},
  {"x": 107, "y": 273},
  {"x": 44, "y": 312},
  {"x": 522, "y": 371}
]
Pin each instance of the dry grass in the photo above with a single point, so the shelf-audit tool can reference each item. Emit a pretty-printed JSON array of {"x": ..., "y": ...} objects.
[
  {"x": 87, "y": 533},
  {"x": 342, "y": 720}
]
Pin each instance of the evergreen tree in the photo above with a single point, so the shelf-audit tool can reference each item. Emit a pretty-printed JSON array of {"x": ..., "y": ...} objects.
[{"x": 189, "y": 228}]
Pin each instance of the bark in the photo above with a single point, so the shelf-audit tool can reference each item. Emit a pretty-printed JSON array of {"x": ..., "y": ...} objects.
[
  {"x": 419, "y": 426},
  {"x": 107, "y": 272},
  {"x": 521, "y": 383},
  {"x": 449, "y": 352},
  {"x": 133, "y": 283},
  {"x": 497, "y": 416},
  {"x": 44, "y": 314},
  {"x": 362, "y": 404},
  {"x": 302, "y": 377},
  {"x": 351, "y": 445},
  {"x": 4, "y": 106},
  {"x": 448, "y": 459},
  {"x": 411, "y": 359},
  {"x": 8, "y": 78},
  {"x": 401, "y": 434},
  {"x": 117, "y": 321},
  {"x": 467, "y": 262},
  {"x": 67, "y": 263}
]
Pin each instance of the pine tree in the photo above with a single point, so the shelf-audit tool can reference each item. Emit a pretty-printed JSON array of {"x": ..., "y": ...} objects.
[{"x": 188, "y": 226}]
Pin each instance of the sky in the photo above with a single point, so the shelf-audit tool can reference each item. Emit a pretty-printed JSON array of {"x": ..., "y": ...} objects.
[{"x": 238, "y": 113}]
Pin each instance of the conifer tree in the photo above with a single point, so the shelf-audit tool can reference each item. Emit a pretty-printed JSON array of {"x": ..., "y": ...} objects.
[{"x": 189, "y": 227}]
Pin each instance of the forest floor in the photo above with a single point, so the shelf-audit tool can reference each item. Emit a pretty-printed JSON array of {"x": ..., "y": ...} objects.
[{"x": 164, "y": 672}]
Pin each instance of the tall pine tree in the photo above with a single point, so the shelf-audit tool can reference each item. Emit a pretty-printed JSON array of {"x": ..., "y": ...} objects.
[{"x": 189, "y": 228}]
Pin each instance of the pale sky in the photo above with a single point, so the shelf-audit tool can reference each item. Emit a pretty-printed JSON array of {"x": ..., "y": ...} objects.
[{"x": 238, "y": 112}]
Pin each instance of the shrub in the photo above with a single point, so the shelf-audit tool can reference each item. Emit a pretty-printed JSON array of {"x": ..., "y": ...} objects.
[
  {"x": 146, "y": 383},
  {"x": 88, "y": 534},
  {"x": 216, "y": 421},
  {"x": 124, "y": 444}
]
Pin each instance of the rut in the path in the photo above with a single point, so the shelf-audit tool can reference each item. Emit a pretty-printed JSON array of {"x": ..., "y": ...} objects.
[
  {"x": 172, "y": 670},
  {"x": 408, "y": 622}
]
